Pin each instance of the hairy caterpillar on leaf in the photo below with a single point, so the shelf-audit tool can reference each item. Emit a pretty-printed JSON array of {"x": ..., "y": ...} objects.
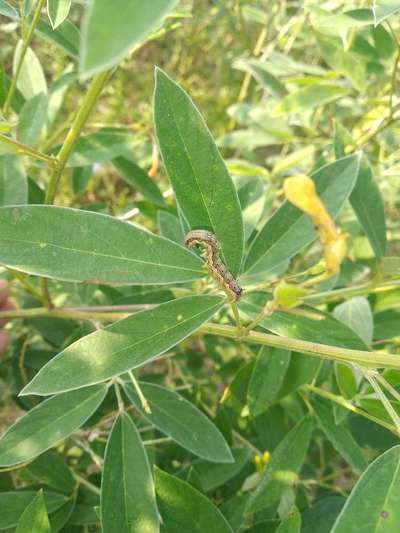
[{"x": 218, "y": 270}]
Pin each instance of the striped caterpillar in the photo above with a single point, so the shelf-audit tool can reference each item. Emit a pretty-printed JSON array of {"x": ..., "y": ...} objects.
[{"x": 218, "y": 270}]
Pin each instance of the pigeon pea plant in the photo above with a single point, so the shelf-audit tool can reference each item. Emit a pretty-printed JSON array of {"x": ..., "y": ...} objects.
[{"x": 230, "y": 364}]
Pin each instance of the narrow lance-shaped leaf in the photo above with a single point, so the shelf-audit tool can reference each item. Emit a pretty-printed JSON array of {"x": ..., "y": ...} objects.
[
  {"x": 367, "y": 203},
  {"x": 212, "y": 475},
  {"x": 124, "y": 345},
  {"x": 289, "y": 229},
  {"x": 286, "y": 461},
  {"x": 74, "y": 245},
  {"x": 267, "y": 378},
  {"x": 34, "y": 518},
  {"x": 8, "y": 10},
  {"x": 111, "y": 29},
  {"x": 32, "y": 119},
  {"x": 58, "y": 11},
  {"x": 179, "y": 419},
  {"x": 183, "y": 508},
  {"x": 139, "y": 179},
  {"x": 385, "y": 8},
  {"x": 204, "y": 190},
  {"x": 339, "y": 435},
  {"x": 128, "y": 499},
  {"x": 13, "y": 182},
  {"x": 31, "y": 79},
  {"x": 48, "y": 423},
  {"x": 13, "y": 504},
  {"x": 292, "y": 523},
  {"x": 374, "y": 504},
  {"x": 356, "y": 313},
  {"x": 365, "y": 198},
  {"x": 170, "y": 226}
]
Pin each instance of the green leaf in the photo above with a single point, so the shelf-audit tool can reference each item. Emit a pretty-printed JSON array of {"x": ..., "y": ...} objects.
[
  {"x": 51, "y": 468},
  {"x": 384, "y": 8},
  {"x": 124, "y": 345},
  {"x": 183, "y": 508},
  {"x": 111, "y": 29},
  {"x": 267, "y": 378},
  {"x": 321, "y": 515},
  {"x": 310, "y": 97},
  {"x": 367, "y": 203},
  {"x": 203, "y": 187},
  {"x": 259, "y": 70},
  {"x": 83, "y": 246},
  {"x": 339, "y": 435},
  {"x": 212, "y": 476},
  {"x": 8, "y": 10},
  {"x": 34, "y": 518},
  {"x": 384, "y": 42},
  {"x": 251, "y": 193},
  {"x": 13, "y": 181},
  {"x": 286, "y": 461},
  {"x": 32, "y": 119},
  {"x": 80, "y": 178},
  {"x": 138, "y": 179},
  {"x": 128, "y": 499},
  {"x": 343, "y": 62},
  {"x": 365, "y": 198},
  {"x": 170, "y": 227},
  {"x": 319, "y": 328},
  {"x": 48, "y": 423},
  {"x": 386, "y": 324},
  {"x": 356, "y": 313},
  {"x": 104, "y": 145},
  {"x": 13, "y": 504},
  {"x": 374, "y": 501},
  {"x": 83, "y": 515},
  {"x": 292, "y": 523},
  {"x": 58, "y": 11},
  {"x": 60, "y": 517},
  {"x": 289, "y": 229},
  {"x": 31, "y": 79},
  {"x": 181, "y": 420},
  {"x": 346, "y": 380},
  {"x": 66, "y": 37}
]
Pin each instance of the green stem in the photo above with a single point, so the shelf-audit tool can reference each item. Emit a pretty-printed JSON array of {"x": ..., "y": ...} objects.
[
  {"x": 348, "y": 292},
  {"x": 324, "y": 351},
  {"x": 22, "y": 149},
  {"x": 139, "y": 392},
  {"x": 348, "y": 405},
  {"x": 88, "y": 103},
  {"x": 25, "y": 44},
  {"x": 82, "y": 481},
  {"x": 22, "y": 278},
  {"x": 236, "y": 314},
  {"x": 46, "y": 297}
]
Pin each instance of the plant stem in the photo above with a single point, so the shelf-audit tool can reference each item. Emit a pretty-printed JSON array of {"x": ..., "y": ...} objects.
[
  {"x": 348, "y": 292},
  {"x": 119, "y": 398},
  {"x": 348, "y": 405},
  {"x": 22, "y": 149},
  {"x": 46, "y": 297},
  {"x": 22, "y": 278},
  {"x": 345, "y": 355},
  {"x": 25, "y": 44},
  {"x": 139, "y": 392},
  {"x": 236, "y": 314},
  {"x": 88, "y": 103},
  {"x": 87, "y": 484}
]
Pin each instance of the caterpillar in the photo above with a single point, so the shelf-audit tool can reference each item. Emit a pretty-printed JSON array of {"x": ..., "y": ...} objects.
[{"x": 218, "y": 270}]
